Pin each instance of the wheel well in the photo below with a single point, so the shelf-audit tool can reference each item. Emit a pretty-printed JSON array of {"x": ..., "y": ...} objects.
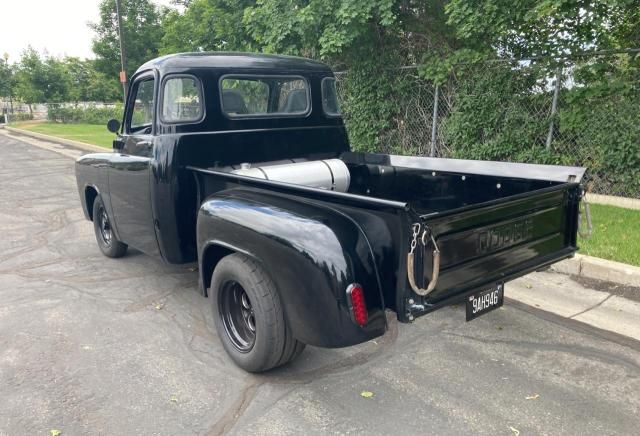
[
  {"x": 90, "y": 195},
  {"x": 210, "y": 258}
]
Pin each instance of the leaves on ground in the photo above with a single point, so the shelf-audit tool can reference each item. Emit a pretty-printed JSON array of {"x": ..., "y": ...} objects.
[
  {"x": 366, "y": 394},
  {"x": 55, "y": 432}
]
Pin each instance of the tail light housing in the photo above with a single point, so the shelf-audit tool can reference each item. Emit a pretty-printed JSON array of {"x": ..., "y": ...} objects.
[{"x": 357, "y": 304}]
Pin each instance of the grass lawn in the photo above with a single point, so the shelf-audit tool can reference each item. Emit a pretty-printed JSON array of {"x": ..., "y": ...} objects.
[
  {"x": 89, "y": 133},
  {"x": 616, "y": 234}
]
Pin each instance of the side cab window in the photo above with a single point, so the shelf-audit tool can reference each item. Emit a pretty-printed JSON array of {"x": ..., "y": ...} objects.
[
  {"x": 140, "y": 112},
  {"x": 181, "y": 100}
]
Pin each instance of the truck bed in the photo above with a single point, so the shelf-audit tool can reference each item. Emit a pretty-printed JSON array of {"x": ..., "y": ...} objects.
[
  {"x": 493, "y": 223},
  {"x": 439, "y": 185}
]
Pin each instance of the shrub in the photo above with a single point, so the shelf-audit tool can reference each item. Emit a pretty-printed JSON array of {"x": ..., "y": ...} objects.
[
  {"x": 89, "y": 115},
  {"x": 20, "y": 116}
]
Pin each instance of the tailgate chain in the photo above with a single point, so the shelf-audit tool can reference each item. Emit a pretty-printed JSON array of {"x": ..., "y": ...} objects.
[{"x": 426, "y": 237}]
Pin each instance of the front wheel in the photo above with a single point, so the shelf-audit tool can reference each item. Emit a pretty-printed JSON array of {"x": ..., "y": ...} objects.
[
  {"x": 106, "y": 238},
  {"x": 248, "y": 315}
]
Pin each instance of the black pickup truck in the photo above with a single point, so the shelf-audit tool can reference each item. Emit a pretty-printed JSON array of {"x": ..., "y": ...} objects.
[{"x": 242, "y": 163}]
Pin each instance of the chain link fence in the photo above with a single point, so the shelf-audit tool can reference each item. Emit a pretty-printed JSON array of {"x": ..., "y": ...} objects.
[{"x": 581, "y": 111}]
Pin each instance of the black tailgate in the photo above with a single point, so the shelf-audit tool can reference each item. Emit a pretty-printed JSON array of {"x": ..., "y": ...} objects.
[{"x": 493, "y": 242}]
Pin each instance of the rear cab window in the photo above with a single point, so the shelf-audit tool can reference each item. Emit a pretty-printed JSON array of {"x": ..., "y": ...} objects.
[
  {"x": 330, "y": 104},
  {"x": 264, "y": 96}
]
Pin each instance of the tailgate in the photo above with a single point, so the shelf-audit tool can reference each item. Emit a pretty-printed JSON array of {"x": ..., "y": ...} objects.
[{"x": 492, "y": 242}]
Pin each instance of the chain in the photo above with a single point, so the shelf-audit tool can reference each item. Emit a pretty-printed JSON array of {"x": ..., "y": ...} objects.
[
  {"x": 416, "y": 231},
  {"x": 584, "y": 205},
  {"x": 426, "y": 235}
]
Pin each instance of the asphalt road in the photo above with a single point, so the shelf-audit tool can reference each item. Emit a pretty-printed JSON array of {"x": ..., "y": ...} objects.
[{"x": 90, "y": 345}]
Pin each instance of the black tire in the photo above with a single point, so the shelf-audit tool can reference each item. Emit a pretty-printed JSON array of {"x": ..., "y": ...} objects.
[
  {"x": 106, "y": 238},
  {"x": 248, "y": 315}
]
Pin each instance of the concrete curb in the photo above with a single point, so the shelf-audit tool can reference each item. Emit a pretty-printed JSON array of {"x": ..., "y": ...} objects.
[
  {"x": 600, "y": 269},
  {"x": 627, "y": 203},
  {"x": 560, "y": 295},
  {"x": 68, "y": 142}
]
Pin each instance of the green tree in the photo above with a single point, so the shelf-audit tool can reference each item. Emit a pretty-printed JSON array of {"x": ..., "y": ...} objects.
[
  {"x": 29, "y": 77},
  {"x": 143, "y": 31},
  {"x": 88, "y": 84},
  {"x": 543, "y": 28},
  {"x": 321, "y": 28},
  {"x": 46, "y": 79},
  {"x": 327, "y": 29},
  {"x": 56, "y": 82},
  {"x": 41, "y": 79},
  {"x": 207, "y": 25}
]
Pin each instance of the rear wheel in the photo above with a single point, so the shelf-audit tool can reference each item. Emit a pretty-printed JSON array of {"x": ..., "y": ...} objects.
[
  {"x": 106, "y": 238},
  {"x": 249, "y": 317}
]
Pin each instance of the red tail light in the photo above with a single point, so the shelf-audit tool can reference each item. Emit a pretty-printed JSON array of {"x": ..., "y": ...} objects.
[{"x": 357, "y": 304}]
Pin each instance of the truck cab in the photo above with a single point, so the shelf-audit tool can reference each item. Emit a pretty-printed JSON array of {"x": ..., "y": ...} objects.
[{"x": 241, "y": 163}]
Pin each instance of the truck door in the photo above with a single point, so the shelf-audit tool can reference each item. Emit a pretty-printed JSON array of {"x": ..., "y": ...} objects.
[{"x": 130, "y": 171}]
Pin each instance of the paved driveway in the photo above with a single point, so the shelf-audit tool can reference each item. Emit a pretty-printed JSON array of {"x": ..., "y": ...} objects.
[{"x": 90, "y": 345}]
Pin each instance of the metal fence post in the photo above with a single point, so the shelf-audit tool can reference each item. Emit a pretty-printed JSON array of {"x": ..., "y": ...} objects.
[
  {"x": 554, "y": 106},
  {"x": 434, "y": 121}
]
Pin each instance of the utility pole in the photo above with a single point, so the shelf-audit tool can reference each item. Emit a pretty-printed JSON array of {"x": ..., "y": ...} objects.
[
  {"x": 123, "y": 55},
  {"x": 6, "y": 61}
]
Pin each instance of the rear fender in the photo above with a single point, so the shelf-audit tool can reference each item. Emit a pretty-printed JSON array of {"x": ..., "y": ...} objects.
[
  {"x": 311, "y": 252},
  {"x": 92, "y": 180}
]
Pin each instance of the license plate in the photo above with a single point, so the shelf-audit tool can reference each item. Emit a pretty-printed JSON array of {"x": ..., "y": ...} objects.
[{"x": 484, "y": 301}]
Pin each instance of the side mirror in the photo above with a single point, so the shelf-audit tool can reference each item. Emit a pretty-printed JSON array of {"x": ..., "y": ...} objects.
[{"x": 113, "y": 125}]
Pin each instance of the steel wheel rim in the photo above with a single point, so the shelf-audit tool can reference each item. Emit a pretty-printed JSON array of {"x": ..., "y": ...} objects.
[
  {"x": 105, "y": 226},
  {"x": 238, "y": 317}
]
